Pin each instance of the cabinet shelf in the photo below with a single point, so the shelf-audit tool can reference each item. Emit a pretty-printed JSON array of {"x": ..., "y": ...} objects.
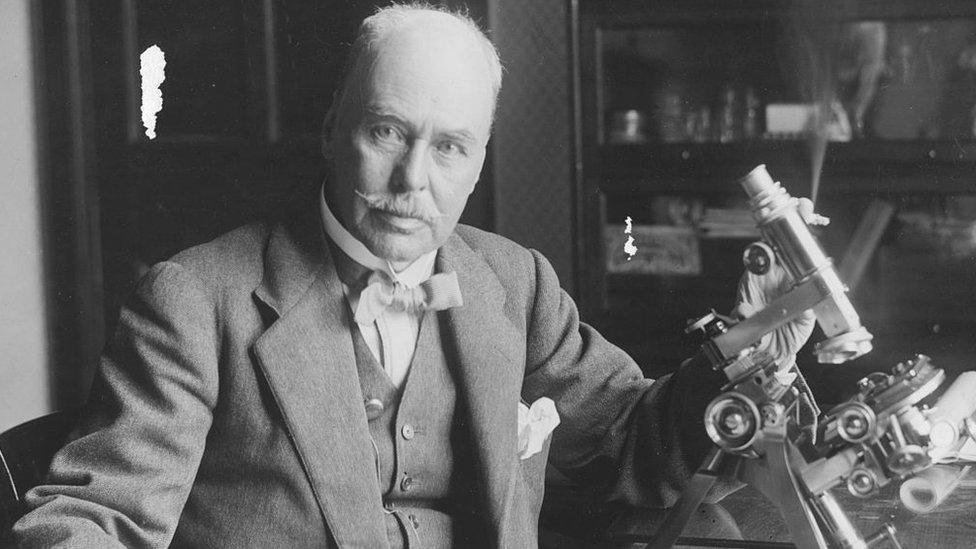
[{"x": 947, "y": 167}]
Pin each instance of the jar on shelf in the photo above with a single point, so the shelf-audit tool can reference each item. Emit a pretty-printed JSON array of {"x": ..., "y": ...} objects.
[
  {"x": 671, "y": 124},
  {"x": 698, "y": 124},
  {"x": 628, "y": 127},
  {"x": 750, "y": 116},
  {"x": 630, "y": 79},
  {"x": 728, "y": 124}
]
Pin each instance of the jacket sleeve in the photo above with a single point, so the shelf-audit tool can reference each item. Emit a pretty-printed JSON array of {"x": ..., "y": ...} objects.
[
  {"x": 125, "y": 478},
  {"x": 640, "y": 439}
]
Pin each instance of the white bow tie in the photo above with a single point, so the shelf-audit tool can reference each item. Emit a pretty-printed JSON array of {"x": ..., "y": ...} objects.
[{"x": 439, "y": 292}]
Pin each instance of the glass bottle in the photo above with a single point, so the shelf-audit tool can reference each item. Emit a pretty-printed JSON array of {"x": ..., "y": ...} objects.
[
  {"x": 750, "y": 119},
  {"x": 728, "y": 130}
]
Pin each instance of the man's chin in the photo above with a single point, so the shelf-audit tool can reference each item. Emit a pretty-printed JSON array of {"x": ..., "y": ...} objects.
[{"x": 399, "y": 248}]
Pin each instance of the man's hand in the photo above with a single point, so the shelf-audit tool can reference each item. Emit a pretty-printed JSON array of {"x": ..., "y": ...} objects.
[{"x": 754, "y": 294}]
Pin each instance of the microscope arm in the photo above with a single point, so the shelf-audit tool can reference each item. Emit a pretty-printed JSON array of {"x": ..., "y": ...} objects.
[{"x": 747, "y": 332}]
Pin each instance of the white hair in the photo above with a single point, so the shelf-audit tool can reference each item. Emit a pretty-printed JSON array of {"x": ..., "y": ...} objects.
[{"x": 387, "y": 19}]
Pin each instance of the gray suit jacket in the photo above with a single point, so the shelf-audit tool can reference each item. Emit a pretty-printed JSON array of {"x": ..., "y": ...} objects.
[{"x": 227, "y": 410}]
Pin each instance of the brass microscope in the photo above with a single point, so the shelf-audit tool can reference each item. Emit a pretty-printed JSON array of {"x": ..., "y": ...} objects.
[{"x": 766, "y": 426}]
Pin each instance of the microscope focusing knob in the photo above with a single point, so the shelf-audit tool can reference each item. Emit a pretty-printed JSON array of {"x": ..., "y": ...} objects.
[
  {"x": 862, "y": 482},
  {"x": 758, "y": 258},
  {"x": 733, "y": 421}
]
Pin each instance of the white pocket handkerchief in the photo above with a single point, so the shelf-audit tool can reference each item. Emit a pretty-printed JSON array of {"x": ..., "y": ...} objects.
[{"x": 534, "y": 425}]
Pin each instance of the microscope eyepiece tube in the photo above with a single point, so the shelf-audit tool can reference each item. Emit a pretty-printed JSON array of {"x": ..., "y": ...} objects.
[
  {"x": 782, "y": 226},
  {"x": 784, "y": 229}
]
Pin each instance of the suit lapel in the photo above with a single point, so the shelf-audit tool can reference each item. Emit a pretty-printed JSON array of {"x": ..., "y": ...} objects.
[
  {"x": 308, "y": 360},
  {"x": 490, "y": 373}
]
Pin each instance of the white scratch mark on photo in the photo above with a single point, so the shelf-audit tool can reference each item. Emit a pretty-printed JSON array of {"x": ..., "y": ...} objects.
[
  {"x": 151, "y": 65},
  {"x": 629, "y": 247}
]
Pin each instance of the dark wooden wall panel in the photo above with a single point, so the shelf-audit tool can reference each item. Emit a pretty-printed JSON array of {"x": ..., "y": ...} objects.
[
  {"x": 68, "y": 193},
  {"x": 535, "y": 194}
]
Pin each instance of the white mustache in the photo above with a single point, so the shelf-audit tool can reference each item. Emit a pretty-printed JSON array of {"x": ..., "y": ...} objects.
[{"x": 419, "y": 206}]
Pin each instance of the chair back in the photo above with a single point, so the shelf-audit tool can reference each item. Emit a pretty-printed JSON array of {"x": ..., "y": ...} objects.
[{"x": 25, "y": 455}]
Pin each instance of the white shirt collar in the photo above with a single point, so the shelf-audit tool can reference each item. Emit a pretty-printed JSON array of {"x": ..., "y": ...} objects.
[{"x": 415, "y": 273}]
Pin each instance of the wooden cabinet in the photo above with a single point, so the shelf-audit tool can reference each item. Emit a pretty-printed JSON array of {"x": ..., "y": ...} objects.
[{"x": 851, "y": 102}]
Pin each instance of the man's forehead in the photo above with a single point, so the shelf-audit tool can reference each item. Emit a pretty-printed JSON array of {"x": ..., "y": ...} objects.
[
  {"x": 434, "y": 49},
  {"x": 445, "y": 72}
]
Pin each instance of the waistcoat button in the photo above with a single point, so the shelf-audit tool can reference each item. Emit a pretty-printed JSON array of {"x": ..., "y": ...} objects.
[
  {"x": 406, "y": 483},
  {"x": 374, "y": 408},
  {"x": 407, "y": 431}
]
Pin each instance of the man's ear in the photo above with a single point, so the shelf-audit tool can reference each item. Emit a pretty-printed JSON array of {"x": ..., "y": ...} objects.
[{"x": 327, "y": 136}]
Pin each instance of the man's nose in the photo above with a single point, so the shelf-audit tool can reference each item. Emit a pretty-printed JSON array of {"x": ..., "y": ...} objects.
[{"x": 412, "y": 171}]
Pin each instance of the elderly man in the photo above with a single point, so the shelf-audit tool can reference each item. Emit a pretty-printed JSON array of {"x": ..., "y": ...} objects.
[{"x": 352, "y": 377}]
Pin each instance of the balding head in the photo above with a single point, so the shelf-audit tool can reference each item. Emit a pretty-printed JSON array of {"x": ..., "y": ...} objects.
[{"x": 436, "y": 23}]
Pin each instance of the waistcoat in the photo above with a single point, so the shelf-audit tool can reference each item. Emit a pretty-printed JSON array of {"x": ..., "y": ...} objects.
[{"x": 419, "y": 454}]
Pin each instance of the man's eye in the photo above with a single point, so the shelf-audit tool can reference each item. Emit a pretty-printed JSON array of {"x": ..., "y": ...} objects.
[
  {"x": 387, "y": 133},
  {"x": 451, "y": 149}
]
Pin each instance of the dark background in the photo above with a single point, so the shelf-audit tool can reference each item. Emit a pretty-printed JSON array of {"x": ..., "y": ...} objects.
[{"x": 247, "y": 83}]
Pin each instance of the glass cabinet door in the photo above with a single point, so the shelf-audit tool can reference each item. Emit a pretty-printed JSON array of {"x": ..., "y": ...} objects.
[{"x": 726, "y": 82}]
